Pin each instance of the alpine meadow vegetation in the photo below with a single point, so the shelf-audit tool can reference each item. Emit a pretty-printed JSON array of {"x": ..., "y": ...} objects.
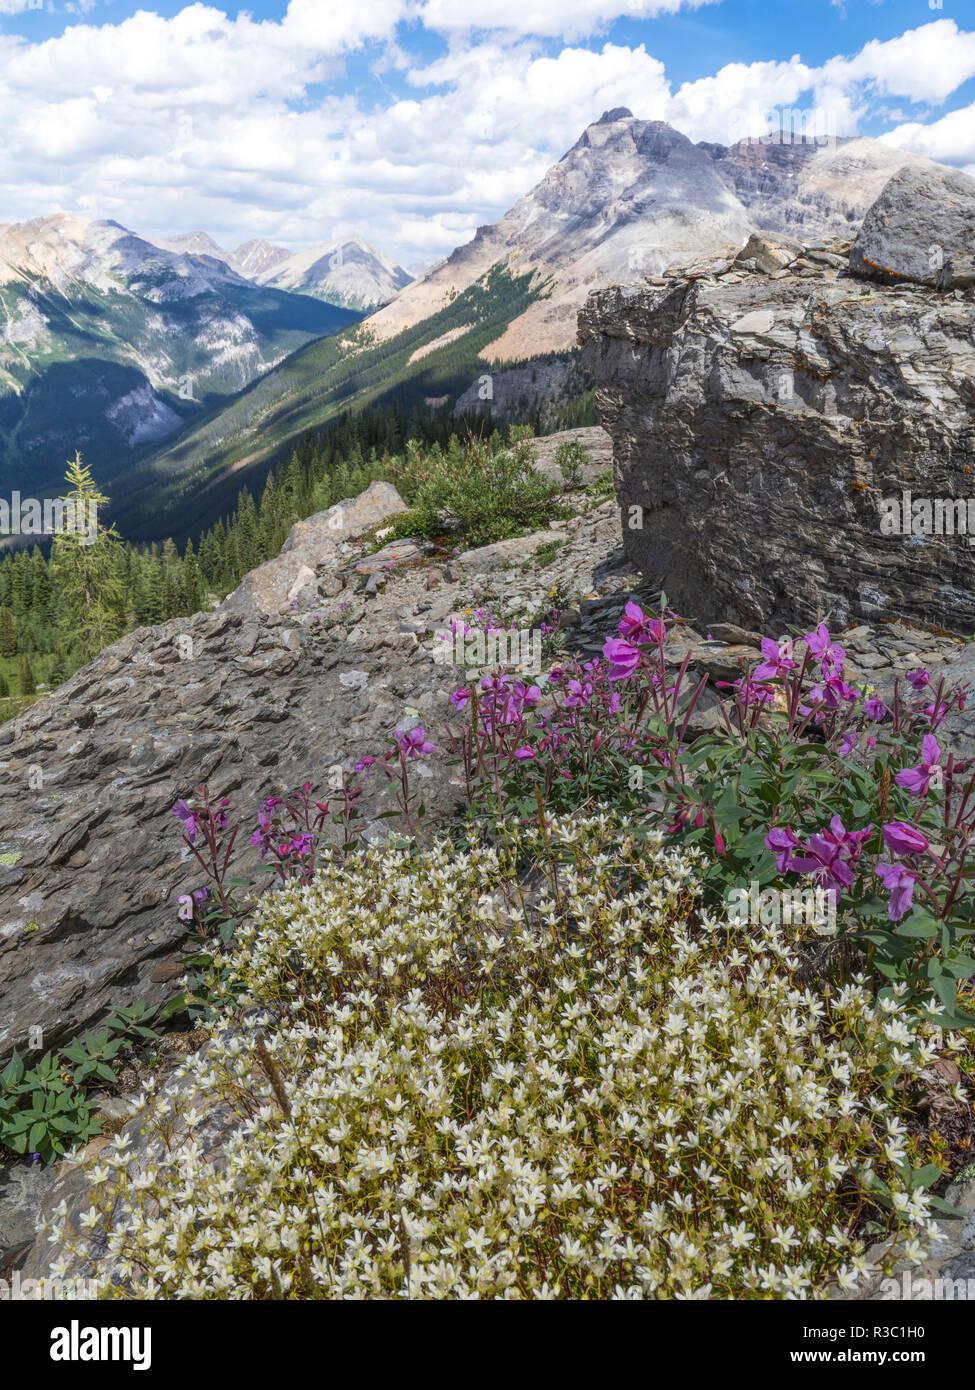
[{"x": 538, "y": 1058}]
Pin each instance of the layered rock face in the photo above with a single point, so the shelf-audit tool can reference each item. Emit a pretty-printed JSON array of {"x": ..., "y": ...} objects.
[{"x": 763, "y": 408}]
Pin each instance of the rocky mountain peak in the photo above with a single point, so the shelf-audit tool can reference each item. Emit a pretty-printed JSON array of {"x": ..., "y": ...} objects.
[{"x": 631, "y": 198}]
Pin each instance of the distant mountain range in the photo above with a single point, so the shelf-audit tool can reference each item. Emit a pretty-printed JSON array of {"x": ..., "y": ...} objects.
[
  {"x": 109, "y": 343},
  {"x": 628, "y": 200},
  {"x": 347, "y": 272}
]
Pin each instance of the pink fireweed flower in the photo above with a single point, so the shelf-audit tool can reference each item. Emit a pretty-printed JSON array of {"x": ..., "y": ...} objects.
[
  {"x": 823, "y": 861},
  {"x": 918, "y": 779},
  {"x": 635, "y": 626},
  {"x": 851, "y": 840},
  {"x": 182, "y": 811},
  {"x": 902, "y": 838},
  {"x": 751, "y": 694},
  {"x": 578, "y": 695},
  {"x": 524, "y": 752},
  {"x": 414, "y": 743},
  {"x": 782, "y": 843},
  {"x": 899, "y": 883},
  {"x": 460, "y": 698},
  {"x": 623, "y": 658},
  {"x": 936, "y": 713},
  {"x": 918, "y": 679},
  {"x": 495, "y": 684},
  {"x": 821, "y": 646},
  {"x": 831, "y": 856},
  {"x": 836, "y": 689},
  {"x": 528, "y": 695},
  {"x": 260, "y": 836},
  {"x": 875, "y": 709},
  {"x": 778, "y": 659}
]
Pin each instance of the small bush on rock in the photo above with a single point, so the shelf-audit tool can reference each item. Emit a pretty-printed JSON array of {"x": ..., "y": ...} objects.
[{"x": 490, "y": 490}]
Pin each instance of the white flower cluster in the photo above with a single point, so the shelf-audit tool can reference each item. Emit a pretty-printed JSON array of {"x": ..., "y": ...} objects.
[{"x": 451, "y": 1086}]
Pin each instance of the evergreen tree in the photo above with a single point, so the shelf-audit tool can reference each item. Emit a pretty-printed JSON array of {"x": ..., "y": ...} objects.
[
  {"x": 83, "y": 566},
  {"x": 28, "y": 685},
  {"x": 8, "y": 634},
  {"x": 192, "y": 581},
  {"x": 246, "y": 527}
]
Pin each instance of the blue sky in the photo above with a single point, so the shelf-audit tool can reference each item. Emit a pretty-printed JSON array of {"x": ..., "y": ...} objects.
[{"x": 300, "y": 121}]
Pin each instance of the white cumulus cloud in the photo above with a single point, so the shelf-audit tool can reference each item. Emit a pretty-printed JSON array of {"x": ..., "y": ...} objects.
[{"x": 207, "y": 120}]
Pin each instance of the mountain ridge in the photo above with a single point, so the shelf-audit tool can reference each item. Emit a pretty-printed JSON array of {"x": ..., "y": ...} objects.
[
  {"x": 629, "y": 199},
  {"x": 345, "y": 271},
  {"x": 109, "y": 343}
]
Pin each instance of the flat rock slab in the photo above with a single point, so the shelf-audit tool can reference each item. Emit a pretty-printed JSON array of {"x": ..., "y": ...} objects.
[
  {"x": 490, "y": 557},
  {"x": 92, "y": 855},
  {"x": 392, "y": 556}
]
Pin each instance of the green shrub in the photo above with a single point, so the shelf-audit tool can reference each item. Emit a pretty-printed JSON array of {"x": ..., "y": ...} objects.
[
  {"x": 571, "y": 458},
  {"x": 491, "y": 490},
  {"x": 447, "y": 1088}
]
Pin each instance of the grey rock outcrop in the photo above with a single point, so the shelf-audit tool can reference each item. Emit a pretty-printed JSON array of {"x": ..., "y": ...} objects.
[
  {"x": 312, "y": 544},
  {"x": 921, "y": 228},
  {"x": 92, "y": 858},
  {"x": 759, "y": 421}
]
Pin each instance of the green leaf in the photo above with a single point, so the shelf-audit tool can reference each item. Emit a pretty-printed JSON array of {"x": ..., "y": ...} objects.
[
  {"x": 924, "y": 1177},
  {"x": 962, "y": 967},
  {"x": 13, "y": 1072},
  {"x": 947, "y": 991},
  {"x": 948, "y": 1210},
  {"x": 919, "y": 925},
  {"x": 753, "y": 843}
]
